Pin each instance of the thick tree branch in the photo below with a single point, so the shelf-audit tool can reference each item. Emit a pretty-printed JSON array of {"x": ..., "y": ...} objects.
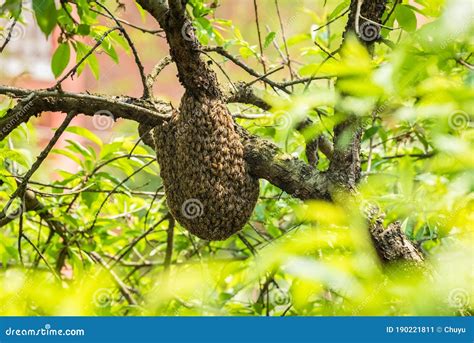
[
  {"x": 290, "y": 174},
  {"x": 37, "y": 101},
  {"x": 266, "y": 160},
  {"x": 245, "y": 94},
  {"x": 391, "y": 243},
  {"x": 193, "y": 72}
]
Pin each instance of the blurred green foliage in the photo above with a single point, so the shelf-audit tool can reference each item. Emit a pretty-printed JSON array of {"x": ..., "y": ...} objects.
[{"x": 293, "y": 258}]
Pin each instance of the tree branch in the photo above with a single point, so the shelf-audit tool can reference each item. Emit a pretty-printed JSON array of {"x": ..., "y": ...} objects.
[
  {"x": 37, "y": 101},
  {"x": 290, "y": 174}
]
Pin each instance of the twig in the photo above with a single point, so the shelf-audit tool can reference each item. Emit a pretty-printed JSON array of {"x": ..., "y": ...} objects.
[
  {"x": 153, "y": 32},
  {"x": 221, "y": 69},
  {"x": 247, "y": 244},
  {"x": 391, "y": 11},
  {"x": 63, "y": 6},
  {"x": 169, "y": 243},
  {"x": 280, "y": 85},
  {"x": 151, "y": 78},
  {"x": 332, "y": 20},
  {"x": 282, "y": 28},
  {"x": 87, "y": 190},
  {"x": 41, "y": 256},
  {"x": 418, "y": 156},
  {"x": 379, "y": 25},
  {"x": 115, "y": 188},
  {"x": 464, "y": 63},
  {"x": 20, "y": 233},
  {"x": 306, "y": 79},
  {"x": 146, "y": 92},
  {"x": 245, "y": 67},
  {"x": 357, "y": 17},
  {"x": 9, "y": 36},
  {"x": 103, "y": 164},
  {"x": 73, "y": 70},
  {"x": 250, "y": 115},
  {"x": 37, "y": 101},
  {"x": 257, "y": 22},
  {"x": 329, "y": 53},
  {"x": 145, "y": 220},
  {"x": 121, "y": 285},
  {"x": 264, "y": 76},
  {"x": 136, "y": 240},
  {"x": 42, "y": 156}
]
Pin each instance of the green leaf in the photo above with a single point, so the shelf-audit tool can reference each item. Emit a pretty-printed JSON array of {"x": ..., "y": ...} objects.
[
  {"x": 91, "y": 60},
  {"x": 85, "y": 133},
  {"x": 370, "y": 132},
  {"x": 12, "y": 6},
  {"x": 269, "y": 39},
  {"x": 246, "y": 52},
  {"x": 90, "y": 198},
  {"x": 296, "y": 39},
  {"x": 93, "y": 65},
  {"x": 68, "y": 154},
  {"x": 119, "y": 39},
  {"x": 110, "y": 50},
  {"x": 339, "y": 9},
  {"x": 79, "y": 148},
  {"x": 83, "y": 29},
  {"x": 60, "y": 59},
  {"x": 406, "y": 18},
  {"x": 46, "y": 15},
  {"x": 140, "y": 9}
]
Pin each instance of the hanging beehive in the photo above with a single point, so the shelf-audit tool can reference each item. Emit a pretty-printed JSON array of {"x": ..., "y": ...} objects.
[{"x": 207, "y": 184}]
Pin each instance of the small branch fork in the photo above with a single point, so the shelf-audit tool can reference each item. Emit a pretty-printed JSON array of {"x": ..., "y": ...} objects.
[
  {"x": 146, "y": 93},
  {"x": 19, "y": 192}
]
